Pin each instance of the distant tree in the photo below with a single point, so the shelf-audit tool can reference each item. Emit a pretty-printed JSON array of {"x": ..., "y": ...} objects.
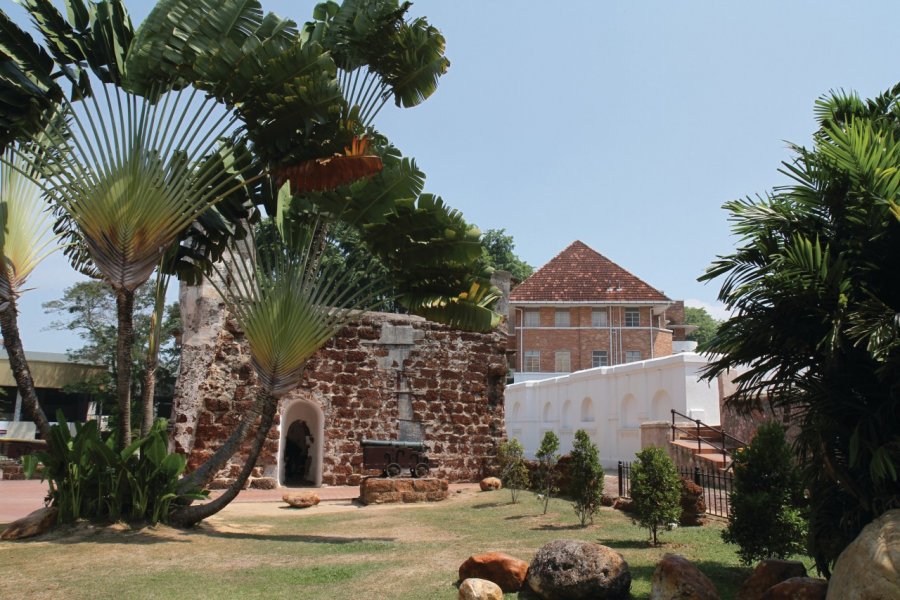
[
  {"x": 545, "y": 477},
  {"x": 655, "y": 490},
  {"x": 499, "y": 254},
  {"x": 586, "y": 476},
  {"x": 765, "y": 520},
  {"x": 706, "y": 324},
  {"x": 513, "y": 470},
  {"x": 88, "y": 308}
]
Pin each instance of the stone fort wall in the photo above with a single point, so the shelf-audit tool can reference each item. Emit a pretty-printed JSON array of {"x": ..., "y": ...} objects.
[{"x": 386, "y": 377}]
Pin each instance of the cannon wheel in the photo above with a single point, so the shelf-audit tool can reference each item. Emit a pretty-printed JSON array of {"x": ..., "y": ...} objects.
[
  {"x": 392, "y": 470},
  {"x": 421, "y": 470}
]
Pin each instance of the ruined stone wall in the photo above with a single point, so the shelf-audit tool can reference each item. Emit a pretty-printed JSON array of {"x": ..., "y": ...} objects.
[{"x": 387, "y": 377}]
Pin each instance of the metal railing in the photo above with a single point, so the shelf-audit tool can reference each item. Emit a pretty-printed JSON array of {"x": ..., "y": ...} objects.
[
  {"x": 719, "y": 441},
  {"x": 717, "y": 486}
]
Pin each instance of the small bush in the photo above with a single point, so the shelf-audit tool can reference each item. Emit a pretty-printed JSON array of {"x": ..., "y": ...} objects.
[
  {"x": 90, "y": 479},
  {"x": 766, "y": 520},
  {"x": 513, "y": 470},
  {"x": 545, "y": 476},
  {"x": 586, "y": 476},
  {"x": 655, "y": 490}
]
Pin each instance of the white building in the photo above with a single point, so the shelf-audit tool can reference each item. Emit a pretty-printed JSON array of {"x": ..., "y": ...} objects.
[{"x": 610, "y": 403}]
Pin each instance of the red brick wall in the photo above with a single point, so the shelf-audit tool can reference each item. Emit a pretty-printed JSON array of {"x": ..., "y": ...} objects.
[
  {"x": 582, "y": 342},
  {"x": 455, "y": 379}
]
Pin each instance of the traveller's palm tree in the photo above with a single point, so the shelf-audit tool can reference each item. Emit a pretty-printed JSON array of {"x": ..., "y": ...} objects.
[
  {"x": 25, "y": 239},
  {"x": 288, "y": 306}
]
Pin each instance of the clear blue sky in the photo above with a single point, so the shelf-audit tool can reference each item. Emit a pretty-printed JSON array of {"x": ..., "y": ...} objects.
[{"x": 623, "y": 124}]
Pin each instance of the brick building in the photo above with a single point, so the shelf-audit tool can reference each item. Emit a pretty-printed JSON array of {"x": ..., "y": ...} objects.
[{"x": 581, "y": 310}]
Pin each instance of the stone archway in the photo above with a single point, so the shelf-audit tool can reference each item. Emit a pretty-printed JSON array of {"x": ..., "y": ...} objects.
[{"x": 301, "y": 443}]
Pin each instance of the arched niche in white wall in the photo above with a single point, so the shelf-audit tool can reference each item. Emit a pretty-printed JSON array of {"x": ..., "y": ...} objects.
[
  {"x": 587, "y": 411},
  {"x": 661, "y": 406},
  {"x": 629, "y": 413},
  {"x": 309, "y": 415},
  {"x": 567, "y": 415},
  {"x": 548, "y": 413}
]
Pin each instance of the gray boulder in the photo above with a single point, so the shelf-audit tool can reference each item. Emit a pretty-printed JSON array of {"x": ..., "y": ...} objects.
[{"x": 576, "y": 570}]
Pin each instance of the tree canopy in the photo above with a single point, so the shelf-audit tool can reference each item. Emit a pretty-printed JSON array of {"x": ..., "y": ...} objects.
[
  {"x": 816, "y": 299},
  {"x": 706, "y": 324}
]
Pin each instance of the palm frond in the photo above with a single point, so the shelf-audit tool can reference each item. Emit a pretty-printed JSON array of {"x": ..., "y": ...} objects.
[
  {"x": 25, "y": 224},
  {"x": 132, "y": 176}
]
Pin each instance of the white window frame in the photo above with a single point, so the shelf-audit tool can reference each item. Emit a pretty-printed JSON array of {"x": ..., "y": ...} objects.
[
  {"x": 531, "y": 318},
  {"x": 528, "y": 361},
  {"x": 599, "y": 358},
  {"x": 599, "y": 317},
  {"x": 632, "y": 317},
  {"x": 633, "y": 356},
  {"x": 562, "y": 317},
  {"x": 562, "y": 358}
]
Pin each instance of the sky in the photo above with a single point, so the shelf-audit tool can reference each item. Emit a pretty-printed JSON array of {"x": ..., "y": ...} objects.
[{"x": 623, "y": 124}]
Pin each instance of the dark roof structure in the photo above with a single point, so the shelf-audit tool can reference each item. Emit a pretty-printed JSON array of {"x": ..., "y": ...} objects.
[{"x": 581, "y": 274}]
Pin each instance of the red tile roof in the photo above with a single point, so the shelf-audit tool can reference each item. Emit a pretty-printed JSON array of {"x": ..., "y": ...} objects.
[{"x": 581, "y": 274}]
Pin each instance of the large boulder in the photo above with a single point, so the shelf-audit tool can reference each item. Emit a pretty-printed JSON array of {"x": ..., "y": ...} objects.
[
  {"x": 301, "y": 499},
  {"x": 35, "y": 523},
  {"x": 798, "y": 588},
  {"x": 506, "y": 571},
  {"x": 479, "y": 589},
  {"x": 869, "y": 568},
  {"x": 576, "y": 570},
  {"x": 377, "y": 490},
  {"x": 675, "y": 578},
  {"x": 766, "y": 574},
  {"x": 489, "y": 484}
]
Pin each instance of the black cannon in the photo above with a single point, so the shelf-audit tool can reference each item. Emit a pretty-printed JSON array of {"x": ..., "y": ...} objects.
[{"x": 393, "y": 456}]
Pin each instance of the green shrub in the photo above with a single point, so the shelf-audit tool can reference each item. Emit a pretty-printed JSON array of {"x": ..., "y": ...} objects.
[
  {"x": 766, "y": 520},
  {"x": 513, "y": 471},
  {"x": 545, "y": 475},
  {"x": 586, "y": 476},
  {"x": 89, "y": 479},
  {"x": 655, "y": 490}
]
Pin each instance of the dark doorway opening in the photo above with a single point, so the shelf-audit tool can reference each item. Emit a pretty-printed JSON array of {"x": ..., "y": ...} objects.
[{"x": 297, "y": 457}]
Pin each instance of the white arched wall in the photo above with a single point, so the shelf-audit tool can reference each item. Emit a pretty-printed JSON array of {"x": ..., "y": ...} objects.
[
  {"x": 661, "y": 406},
  {"x": 303, "y": 410}
]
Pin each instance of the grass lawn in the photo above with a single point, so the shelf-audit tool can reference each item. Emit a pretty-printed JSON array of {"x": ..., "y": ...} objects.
[{"x": 374, "y": 553}]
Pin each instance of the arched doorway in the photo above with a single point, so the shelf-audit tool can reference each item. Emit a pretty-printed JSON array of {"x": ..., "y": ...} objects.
[{"x": 300, "y": 456}]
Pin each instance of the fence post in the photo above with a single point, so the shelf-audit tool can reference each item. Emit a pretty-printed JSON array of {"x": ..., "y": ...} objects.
[
  {"x": 673, "y": 424},
  {"x": 621, "y": 483},
  {"x": 699, "y": 448},
  {"x": 697, "y": 479}
]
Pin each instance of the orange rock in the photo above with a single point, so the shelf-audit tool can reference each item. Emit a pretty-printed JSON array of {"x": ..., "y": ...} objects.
[
  {"x": 35, "y": 523},
  {"x": 506, "y": 571},
  {"x": 676, "y": 577},
  {"x": 301, "y": 499},
  {"x": 489, "y": 484},
  {"x": 798, "y": 588},
  {"x": 766, "y": 574}
]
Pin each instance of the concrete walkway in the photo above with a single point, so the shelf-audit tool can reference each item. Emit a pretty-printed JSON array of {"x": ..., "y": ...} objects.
[{"x": 18, "y": 498}]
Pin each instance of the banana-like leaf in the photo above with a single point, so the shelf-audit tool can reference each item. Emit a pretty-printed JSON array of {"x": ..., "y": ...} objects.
[{"x": 25, "y": 224}]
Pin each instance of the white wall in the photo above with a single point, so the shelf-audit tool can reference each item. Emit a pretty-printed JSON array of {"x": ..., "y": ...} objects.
[{"x": 610, "y": 403}]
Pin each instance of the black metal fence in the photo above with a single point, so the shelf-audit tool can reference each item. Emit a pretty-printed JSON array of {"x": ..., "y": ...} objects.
[{"x": 717, "y": 486}]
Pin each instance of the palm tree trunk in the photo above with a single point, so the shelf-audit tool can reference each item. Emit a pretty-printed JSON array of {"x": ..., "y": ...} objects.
[
  {"x": 148, "y": 389},
  {"x": 188, "y": 516},
  {"x": 19, "y": 365},
  {"x": 201, "y": 477},
  {"x": 125, "y": 311}
]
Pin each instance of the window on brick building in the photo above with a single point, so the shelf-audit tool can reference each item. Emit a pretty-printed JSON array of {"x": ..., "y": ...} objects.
[
  {"x": 532, "y": 362},
  {"x": 561, "y": 318},
  {"x": 562, "y": 362},
  {"x": 599, "y": 358},
  {"x": 599, "y": 318},
  {"x": 632, "y": 317},
  {"x": 532, "y": 318},
  {"x": 632, "y": 356}
]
